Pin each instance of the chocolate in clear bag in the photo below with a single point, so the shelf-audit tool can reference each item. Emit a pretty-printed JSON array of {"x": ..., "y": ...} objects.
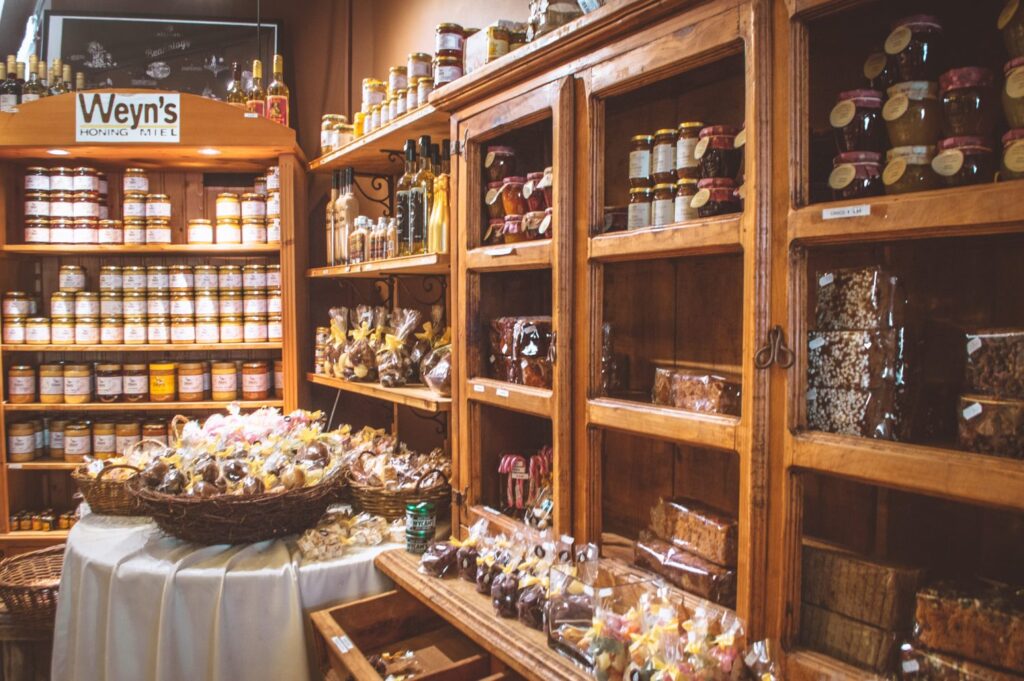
[
  {"x": 427, "y": 338},
  {"x": 469, "y": 550},
  {"x": 858, "y": 298},
  {"x": 436, "y": 370},
  {"x": 995, "y": 362},
  {"x": 337, "y": 344},
  {"x": 394, "y": 365},
  {"x": 440, "y": 559},
  {"x": 686, "y": 570},
  {"x": 360, "y": 355}
]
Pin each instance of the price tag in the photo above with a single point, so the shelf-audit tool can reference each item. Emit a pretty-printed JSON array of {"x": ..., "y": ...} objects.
[
  {"x": 741, "y": 139},
  {"x": 702, "y": 146},
  {"x": 972, "y": 411},
  {"x": 501, "y": 392},
  {"x": 859, "y": 211},
  {"x": 826, "y": 279},
  {"x": 250, "y": 114},
  {"x": 895, "y": 107},
  {"x": 973, "y": 345},
  {"x": 1008, "y": 11},
  {"x": 14, "y": 466},
  {"x": 343, "y": 644},
  {"x": 700, "y": 198},
  {"x": 477, "y": 388},
  {"x": 816, "y": 343},
  {"x": 499, "y": 252}
]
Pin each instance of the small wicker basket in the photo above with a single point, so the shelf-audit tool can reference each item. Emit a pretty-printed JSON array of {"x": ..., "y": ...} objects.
[
  {"x": 391, "y": 503},
  {"x": 28, "y": 585},
  {"x": 107, "y": 497}
]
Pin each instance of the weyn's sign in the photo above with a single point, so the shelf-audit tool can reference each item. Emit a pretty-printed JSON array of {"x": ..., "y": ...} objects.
[{"x": 115, "y": 117}]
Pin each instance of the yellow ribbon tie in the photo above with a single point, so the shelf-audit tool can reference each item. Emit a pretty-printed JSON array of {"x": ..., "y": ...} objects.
[
  {"x": 360, "y": 332},
  {"x": 393, "y": 343},
  {"x": 428, "y": 332}
]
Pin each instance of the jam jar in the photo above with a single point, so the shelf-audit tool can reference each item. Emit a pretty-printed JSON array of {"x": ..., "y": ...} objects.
[
  {"x": 880, "y": 70},
  {"x": 37, "y": 179},
  {"x": 1013, "y": 93},
  {"x": 856, "y": 174},
  {"x": 716, "y": 196},
  {"x": 913, "y": 114},
  {"x": 512, "y": 229},
  {"x": 109, "y": 383},
  {"x": 135, "y": 180},
  {"x": 962, "y": 161},
  {"x": 495, "y": 208},
  {"x": 1012, "y": 167},
  {"x": 136, "y": 382},
  {"x": 639, "y": 212},
  {"x": 663, "y": 207},
  {"x": 688, "y": 134},
  {"x": 968, "y": 102},
  {"x": 663, "y": 156},
  {"x": 532, "y": 192},
  {"x": 500, "y": 162},
  {"x": 86, "y": 180},
  {"x": 37, "y": 231},
  {"x": 446, "y": 69},
  {"x": 37, "y": 205},
  {"x": 1011, "y": 23},
  {"x": 417, "y": 65},
  {"x": 495, "y": 231},
  {"x": 918, "y": 46},
  {"x": 717, "y": 153},
  {"x": 640, "y": 161},
  {"x": 857, "y": 121},
  {"x": 449, "y": 39},
  {"x": 512, "y": 195},
  {"x": 909, "y": 169}
]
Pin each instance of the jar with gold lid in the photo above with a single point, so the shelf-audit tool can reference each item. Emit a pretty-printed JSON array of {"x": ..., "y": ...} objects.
[
  {"x": 134, "y": 304},
  {"x": 373, "y": 91},
  {"x": 126, "y": 434},
  {"x": 158, "y": 206},
  {"x": 273, "y": 276},
  {"x": 85, "y": 180},
  {"x": 401, "y": 102},
  {"x": 207, "y": 329},
  {"x": 62, "y": 330},
  {"x": 231, "y": 303},
  {"x": 71, "y": 278},
  {"x": 274, "y": 230},
  {"x": 190, "y": 382},
  {"x": 255, "y": 328},
  {"x": 411, "y": 97},
  {"x": 373, "y": 118},
  {"x": 183, "y": 330},
  {"x": 231, "y": 329},
  {"x": 17, "y": 304},
  {"x": 205, "y": 277},
  {"x": 155, "y": 430},
  {"x": 134, "y": 231},
  {"x": 111, "y": 331},
  {"x": 183, "y": 305},
  {"x": 206, "y": 302},
  {"x": 104, "y": 440},
  {"x": 254, "y": 232},
  {"x": 85, "y": 205},
  {"x": 686, "y": 188},
  {"x": 158, "y": 231},
  {"x": 77, "y": 383},
  {"x": 162, "y": 383},
  {"x": 110, "y": 232},
  {"x": 639, "y": 211},
  {"x": 158, "y": 330},
  {"x": 87, "y": 330},
  {"x": 37, "y": 179},
  {"x": 62, "y": 205},
  {"x": 37, "y": 204},
  {"x": 109, "y": 383},
  {"x": 640, "y": 165},
  {"x": 37, "y": 230},
  {"x": 51, "y": 383},
  {"x": 62, "y": 179},
  {"x": 687, "y": 136},
  {"x": 229, "y": 278},
  {"x": 57, "y": 428},
  {"x": 133, "y": 279},
  {"x": 225, "y": 382},
  {"x": 446, "y": 70},
  {"x": 275, "y": 329},
  {"x": 254, "y": 277},
  {"x": 135, "y": 180},
  {"x": 158, "y": 304},
  {"x": 180, "y": 278},
  {"x": 14, "y": 330},
  {"x": 273, "y": 203},
  {"x": 37, "y": 331},
  {"x": 21, "y": 442},
  {"x": 254, "y": 302},
  {"x": 62, "y": 304},
  {"x": 253, "y": 207},
  {"x": 133, "y": 205},
  {"x": 111, "y": 278},
  {"x": 417, "y": 64},
  {"x": 200, "y": 231},
  {"x": 255, "y": 381},
  {"x": 229, "y": 231},
  {"x": 663, "y": 156},
  {"x": 228, "y": 206},
  {"x": 62, "y": 231},
  {"x": 135, "y": 330},
  {"x": 21, "y": 384},
  {"x": 77, "y": 441},
  {"x": 274, "y": 301},
  {"x": 85, "y": 230},
  {"x": 87, "y": 304},
  {"x": 136, "y": 382}
]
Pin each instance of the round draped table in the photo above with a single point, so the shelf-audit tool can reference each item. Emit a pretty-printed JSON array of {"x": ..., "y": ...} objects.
[{"x": 136, "y": 605}]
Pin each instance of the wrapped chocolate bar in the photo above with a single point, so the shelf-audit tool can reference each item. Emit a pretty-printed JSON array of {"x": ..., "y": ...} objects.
[
  {"x": 991, "y": 426},
  {"x": 360, "y": 357},
  {"x": 469, "y": 551},
  {"x": 854, "y": 359},
  {"x": 394, "y": 366},
  {"x": 995, "y": 362},
  {"x": 697, "y": 528},
  {"x": 848, "y": 640},
  {"x": 694, "y": 389},
  {"x": 858, "y": 299},
  {"x": 980, "y": 621},
  {"x": 920, "y": 664},
  {"x": 436, "y": 370},
  {"x": 871, "y": 413},
  {"x": 440, "y": 559},
  {"x": 686, "y": 570}
]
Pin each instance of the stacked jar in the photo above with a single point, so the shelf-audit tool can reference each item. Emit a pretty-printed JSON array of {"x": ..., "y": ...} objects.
[
  {"x": 335, "y": 132},
  {"x": 67, "y": 206},
  {"x": 19, "y": 308},
  {"x": 46, "y": 520},
  {"x": 519, "y": 206},
  {"x": 449, "y": 47},
  {"x": 146, "y": 217},
  {"x": 1011, "y": 23}
]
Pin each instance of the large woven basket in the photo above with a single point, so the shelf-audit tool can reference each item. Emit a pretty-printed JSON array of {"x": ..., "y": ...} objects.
[
  {"x": 28, "y": 585},
  {"x": 230, "y": 519},
  {"x": 391, "y": 503},
  {"x": 107, "y": 497}
]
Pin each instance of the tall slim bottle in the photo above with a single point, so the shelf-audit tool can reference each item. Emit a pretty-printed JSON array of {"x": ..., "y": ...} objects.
[
  {"x": 347, "y": 209},
  {"x": 277, "y": 94},
  {"x": 66, "y": 77},
  {"x": 20, "y": 68},
  {"x": 10, "y": 93},
  {"x": 420, "y": 196},
  {"x": 236, "y": 93},
  {"x": 33, "y": 89},
  {"x": 79, "y": 81},
  {"x": 255, "y": 97},
  {"x": 402, "y": 188},
  {"x": 332, "y": 253}
]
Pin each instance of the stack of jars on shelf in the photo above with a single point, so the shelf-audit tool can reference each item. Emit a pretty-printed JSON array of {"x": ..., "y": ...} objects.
[
  {"x": 159, "y": 381},
  {"x": 66, "y": 206},
  {"x": 250, "y": 218},
  {"x": 937, "y": 126},
  {"x": 682, "y": 174},
  {"x": 45, "y": 520},
  {"x": 137, "y": 305},
  {"x": 519, "y": 201}
]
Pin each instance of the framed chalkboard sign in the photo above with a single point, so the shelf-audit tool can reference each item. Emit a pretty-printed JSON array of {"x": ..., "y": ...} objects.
[{"x": 187, "y": 55}]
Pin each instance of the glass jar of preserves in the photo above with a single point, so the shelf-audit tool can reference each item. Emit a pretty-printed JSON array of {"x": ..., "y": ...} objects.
[
  {"x": 87, "y": 331},
  {"x": 254, "y": 329},
  {"x": 14, "y": 330},
  {"x": 856, "y": 174},
  {"x": 254, "y": 232},
  {"x": 273, "y": 276},
  {"x": 62, "y": 205},
  {"x": 512, "y": 229},
  {"x": 1013, "y": 92},
  {"x": 183, "y": 331},
  {"x": 278, "y": 379},
  {"x": 274, "y": 301},
  {"x": 857, "y": 121},
  {"x": 21, "y": 442},
  {"x": 85, "y": 180},
  {"x": 418, "y": 64},
  {"x": 162, "y": 387},
  {"x": 492, "y": 199},
  {"x": 449, "y": 40},
  {"x": 715, "y": 196},
  {"x": 229, "y": 232},
  {"x": 273, "y": 203},
  {"x": 126, "y": 434},
  {"x": 134, "y": 205},
  {"x": 111, "y": 278},
  {"x": 62, "y": 180},
  {"x": 136, "y": 382},
  {"x": 918, "y": 47},
  {"x": 275, "y": 330},
  {"x": 134, "y": 304},
  {"x": 110, "y": 232},
  {"x": 663, "y": 206},
  {"x": 18, "y": 304},
  {"x": 37, "y": 231},
  {"x": 229, "y": 278},
  {"x": 134, "y": 231},
  {"x": 909, "y": 169},
  {"x": 158, "y": 304},
  {"x": 640, "y": 160},
  {"x": 968, "y": 102},
  {"x": 254, "y": 207},
  {"x": 180, "y": 278},
  {"x": 207, "y": 302},
  {"x": 255, "y": 381},
  {"x": 254, "y": 277},
  {"x": 495, "y": 231},
  {"x": 688, "y": 134},
  {"x": 716, "y": 152},
  {"x": 913, "y": 114},
  {"x": 85, "y": 231},
  {"x": 533, "y": 193},
  {"x": 686, "y": 188},
  {"x": 158, "y": 206},
  {"x": 62, "y": 304},
  {"x": 85, "y": 205},
  {"x": 401, "y": 102},
  {"x": 204, "y": 277},
  {"x": 200, "y": 231},
  {"x": 135, "y": 180},
  {"x": 135, "y": 330},
  {"x": 37, "y": 179},
  {"x": 190, "y": 382},
  {"x": 57, "y": 428},
  {"x": 111, "y": 331},
  {"x": 639, "y": 211},
  {"x": 62, "y": 231},
  {"x": 37, "y": 204},
  {"x": 231, "y": 303},
  {"x": 71, "y": 278},
  {"x": 254, "y": 302},
  {"x": 228, "y": 206},
  {"x": 134, "y": 279},
  {"x": 21, "y": 384},
  {"x": 51, "y": 383},
  {"x": 207, "y": 329},
  {"x": 424, "y": 86},
  {"x": 158, "y": 231},
  {"x": 512, "y": 200},
  {"x": 62, "y": 330},
  {"x": 37, "y": 331},
  {"x": 373, "y": 118},
  {"x": 231, "y": 329},
  {"x": 104, "y": 440},
  {"x": 111, "y": 304},
  {"x": 1012, "y": 167},
  {"x": 225, "y": 382},
  {"x": 109, "y": 383},
  {"x": 411, "y": 101},
  {"x": 77, "y": 441},
  {"x": 158, "y": 330},
  {"x": 446, "y": 70},
  {"x": 77, "y": 383},
  {"x": 963, "y": 161},
  {"x": 183, "y": 305},
  {"x": 374, "y": 92},
  {"x": 500, "y": 162},
  {"x": 155, "y": 430},
  {"x": 87, "y": 304},
  {"x": 663, "y": 156}
]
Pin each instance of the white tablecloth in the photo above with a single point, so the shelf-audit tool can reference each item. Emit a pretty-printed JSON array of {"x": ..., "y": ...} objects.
[{"x": 136, "y": 605}]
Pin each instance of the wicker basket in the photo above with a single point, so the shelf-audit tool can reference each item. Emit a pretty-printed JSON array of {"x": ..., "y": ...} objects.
[
  {"x": 391, "y": 503},
  {"x": 230, "y": 519},
  {"x": 28, "y": 585},
  {"x": 107, "y": 497}
]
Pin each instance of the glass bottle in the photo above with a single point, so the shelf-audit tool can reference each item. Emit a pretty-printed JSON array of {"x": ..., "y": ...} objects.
[
  {"x": 255, "y": 97},
  {"x": 10, "y": 91},
  {"x": 79, "y": 79},
  {"x": 391, "y": 239},
  {"x": 236, "y": 93},
  {"x": 21, "y": 79},
  {"x": 420, "y": 197},
  {"x": 33, "y": 89},
  {"x": 346, "y": 211},
  {"x": 58, "y": 86},
  {"x": 277, "y": 94},
  {"x": 402, "y": 188},
  {"x": 332, "y": 253},
  {"x": 357, "y": 242}
]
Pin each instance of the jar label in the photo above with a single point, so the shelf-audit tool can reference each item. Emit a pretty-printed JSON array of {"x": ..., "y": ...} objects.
[
  {"x": 898, "y": 40},
  {"x": 895, "y": 107},
  {"x": 86, "y": 209},
  {"x": 134, "y": 307},
  {"x": 181, "y": 281},
  {"x": 16, "y": 308},
  {"x": 62, "y": 209},
  {"x": 109, "y": 385},
  {"x": 40, "y": 208},
  {"x": 84, "y": 235},
  {"x": 182, "y": 306},
  {"x": 254, "y": 280},
  {"x": 254, "y": 233},
  {"x": 274, "y": 231},
  {"x": 134, "y": 333},
  {"x": 158, "y": 307},
  {"x": 136, "y": 385},
  {"x": 134, "y": 235},
  {"x": 255, "y": 383},
  {"x": 640, "y": 163},
  {"x": 123, "y": 442},
  {"x": 134, "y": 282},
  {"x": 158, "y": 209},
  {"x": 85, "y": 183},
  {"x": 87, "y": 308},
  {"x": 110, "y": 282},
  {"x": 77, "y": 445},
  {"x": 37, "y": 235},
  {"x": 447, "y": 73},
  {"x": 225, "y": 383},
  {"x": 638, "y": 216},
  {"x": 102, "y": 444},
  {"x": 57, "y": 440},
  {"x": 62, "y": 334},
  {"x": 77, "y": 385},
  {"x": 1007, "y": 14},
  {"x": 62, "y": 235},
  {"x": 875, "y": 64},
  {"x": 228, "y": 209},
  {"x": 37, "y": 333},
  {"x": 190, "y": 384},
  {"x": 894, "y": 171},
  {"x": 913, "y": 155},
  {"x": 37, "y": 183},
  {"x": 161, "y": 385},
  {"x": 158, "y": 333},
  {"x": 87, "y": 335},
  {"x": 664, "y": 158},
  {"x": 156, "y": 282},
  {"x": 842, "y": 175},
  {"x": 1015, "y": 83},
  {"x": 741, "y": 139},
  {"x": 842, "y": 113},
  {"x": 948, "y": 163},
  {"x": 685, "y": 147},
  {"x": 1013, "y": 157},
  {"x": 14, "y": 334},
  {"x": 273, "y": 204},
  {"x": 700, "y": 198},
  {"x": 528, "y": 189},
  {"x": 230, "y": 306},
  {"x": 449, "y": 41},
  {"x": 134, "y": 209},
  {"x": 183, "y": 333},
  {"x": 254, "y": 209},
  {"x": 136, "y": 183},
  {"x": 274, "y": 301},
  {"x": 230, "y": 281},
  {"x": 279, "y": 379},
  {"x": 255, "y": 332},
  {"x": 542, "y": 229},
  {"x": 275, "y": 332},
  {"x": 21, "y": 385},
  {"x": 206, "y": 307},
  {"x": 51, "y": 385},
  {"x": 664, "y": 212},
  {"x": 229, "y": 233},
  {"x": 112, "y": 334},
  {"x": 230, "y": 333},
  {"x": 327, "y": 141},
  {"x": 206, "y": 280},
  {"x": 21, "y": 444},
  {"x": 200, "y": 234},
  {"x": 207, "y": 333},
  {"x": 158, "y": 235},
  {"x": 254, "y": 306}
]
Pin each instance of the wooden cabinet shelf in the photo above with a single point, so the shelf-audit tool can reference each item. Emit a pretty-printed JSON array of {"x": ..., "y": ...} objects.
[
  {"x": 522, "y": 398},
  {"x": 34, "y": 538},
  {"x": 415, "y": 396},
  {"x": 667, "y": 423},
  {"x": 145, "y": 249},
  {"x": 700, "y": 237},
  {"x": 381, "y": 151},
  {"x": 175, "y": 348},
  {"x": 425, "y": 264},
  {"x": 140, "y": 406},
  {"x": 43, "y": 465},
  {"x": 523, "y": 255},
  {"x": 805, "y": 665}
]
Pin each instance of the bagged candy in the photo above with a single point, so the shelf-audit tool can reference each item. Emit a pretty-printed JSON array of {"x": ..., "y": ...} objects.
[
  {"x": 439, "y": 560},
  {"x": 360, "y": 358},
  {"x": 468, "y": 551},
  {"x": 505, "y": 591},
  {"x": 334, "y": 349},
  {"x": 394, "y": 367},
  {"x": 425, "y": 340},
  {"x": 436, "y": 370}
]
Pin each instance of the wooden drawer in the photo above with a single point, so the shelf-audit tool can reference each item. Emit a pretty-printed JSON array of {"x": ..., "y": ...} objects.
[{"x": 395, "y": 621}]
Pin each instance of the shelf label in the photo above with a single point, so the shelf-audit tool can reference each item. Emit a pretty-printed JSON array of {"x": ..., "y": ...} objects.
[
  {"x": 117, "y": 117},
  {"x": 501, "y": 392},
  {"x": 859, "y": 211},
  {"x": 971, "y": 411},
  {"x": 498, "y": 252},
  {"x": 343, "y": 643},
  {"x": 477, "y": 388},
  {"x": 14, "y": 466}
]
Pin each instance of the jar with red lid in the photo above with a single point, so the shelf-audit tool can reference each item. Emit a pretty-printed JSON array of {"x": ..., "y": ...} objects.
[
  {"x": 1012, "y": 167},
  {"x": 499, "y": 162},
  {"x": 857, "y": 121},
  {"x": 717, "y": 153},
  {"x": 512, "y": 195},
  {"x": 449, "y": 40},
  {"x": 716, "y": 196},
  {"x": 856, "y": 174},
  {"x": 918, "y": 45},
  {"x": 512, "y": 231},
  {"x": 969, "y": 102},
  {"x": 547, "y": 185},
  {"x": 1013, "y": 92},
  {"x": 532, "y": 192},
  {"x": 495, "y": 208},
  {"x": 447, "y": 69},
  {"x": 964, "y": 160}
]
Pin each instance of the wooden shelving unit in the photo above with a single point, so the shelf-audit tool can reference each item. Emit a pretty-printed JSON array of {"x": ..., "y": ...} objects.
[
  {"x": 240, "y": 146},
  {"x": 415, "y": 396},
  {"x": 410, "y": 265}
]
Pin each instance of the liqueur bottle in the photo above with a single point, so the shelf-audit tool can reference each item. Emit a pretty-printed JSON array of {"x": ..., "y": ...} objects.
[
  {"x": 255, "y": 97},
  {"x": 402, "y": 188},
  {"x": 420, "y": 196},
  {"x": 79, "y": 80},
  {"x": 277, "y": 94},
  {"x": 346, "y": 212},
  {"x": 331, "y": 223},
  {"x": 33, "y": 89},
  {"x": 236, "y": 93},
  {"x": 10, "y": 91}
]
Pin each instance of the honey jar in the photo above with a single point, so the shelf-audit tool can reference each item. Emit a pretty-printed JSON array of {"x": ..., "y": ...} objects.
[
  {"x": 275, "y": 330},
  {"x": 207, "y": 329},
  {"x": 21, "y": 384},
  {"x": 62, "y": 331},
  {"x": 134, "y": 304},
  {"x": 57, "y": 428},
  {"x": 255, "y": 381},
  {"x": 126, "y": 434},
  {"x": 190, "y": 382},
  {"x": 135, "y": 330},
  {"x": 104, "y": 440},
  {"x": 111, "y": 305},
  {"x": 183, "y": 331},
  {"x": 133, "y": 279},
  {"x": 134, "y": 205},
  {"x": 77, "y": 383},
  {"x": 255, "y": 329},
  {"x": 155, "y": 430},
  {"x": 136, "y": 382},
  {"x": 158, "y": 231},
  {"x": 229, "y": 278},
  {"x": 200, "y": 231},
  {"x": 224, "y": 382},
  {"x": 110, "y": 232},
  {"x": 134, "y": 231},
  {"x": 21, "y": 446},
  {"x": 111, "y": 278},
  {"x": 162, "y": 382},
  {"x": 51, "y": 383},
  {"x": 231, "y": 329},
  {"x": 180, "y": 278},
  {"x": 87, "y": 331},
  {"x": 135, "y": 180},
  {"x": 158, "y": 330},
  {"x": 205, "y": 277},
  {"x": 37, "y": 331},
  {"x": 37, "y": 231},
  {"x": 229, "y": 231},
  {"x": 228, "y": 206},
  {"x": 109, "y": 383},
  {"x": 14, "y": 330},
  {"x": 71, "y": 278},
  {"x": 158, "y": 206}
]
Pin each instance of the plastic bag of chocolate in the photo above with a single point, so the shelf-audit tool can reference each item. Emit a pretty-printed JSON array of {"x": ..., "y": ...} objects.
[
  {"x": 334, "y": 349},
  {"x": 394, "y": 366},
  {"x": 760, "y": 662},
  {"x": 469, "y": 550},
  {"x": 440, "y": 559},
  {"x": 360, "y": 359},
  {"x": 533, "y": 596},
  {"x": 490, "y": 560},
  {"x": 436, "y": 370},
  {"x": 426, "y": 339},
  {"x": 505, "y": 590}
]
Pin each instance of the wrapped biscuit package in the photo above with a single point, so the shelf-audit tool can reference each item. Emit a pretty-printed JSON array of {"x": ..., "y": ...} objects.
[
  {"x": 687, "y": 571},
  {"x": 694, "y": 389},
  {"x": 848, "y": 640},
  {"x": 698, "y": 528},
  {"x": 995, "y": 362},
  {"x": 870, "y": 413}
]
